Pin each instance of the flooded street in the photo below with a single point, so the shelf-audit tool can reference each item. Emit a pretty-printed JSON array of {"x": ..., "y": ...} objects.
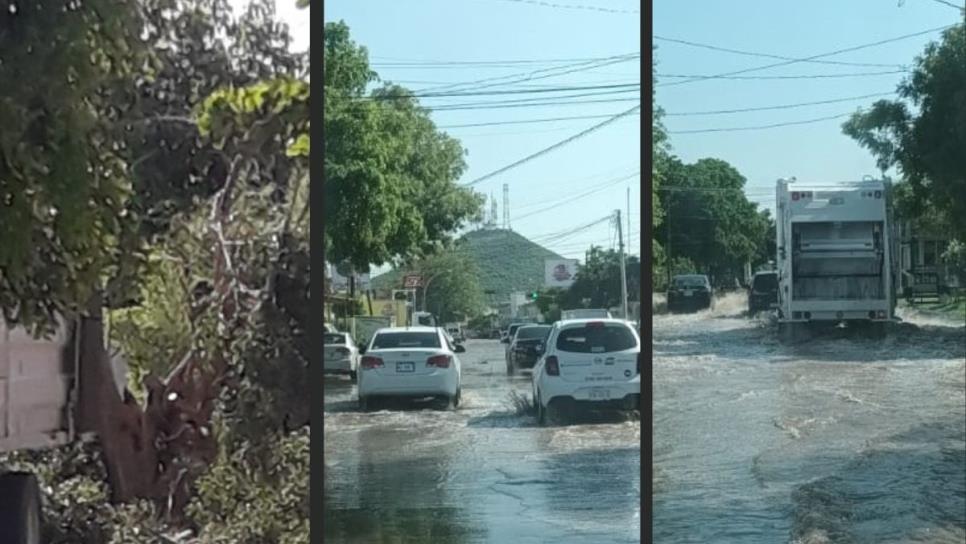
[
  {"x": 836, "y": 439},
  {"x": 485, "y": 473}
]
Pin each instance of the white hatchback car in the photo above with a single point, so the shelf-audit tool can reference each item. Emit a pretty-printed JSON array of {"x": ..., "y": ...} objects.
[
  {"x": 341, "y": 355},
  {"x": 594, "y": 363},
  {"x": 412, "y": 362}
]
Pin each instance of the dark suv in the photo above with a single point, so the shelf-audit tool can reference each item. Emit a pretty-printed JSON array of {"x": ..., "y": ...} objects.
[
  {"x": 689, "y": 292},
  {"x": 527, "y": 346},
  {"x": 763, "y": 292}
]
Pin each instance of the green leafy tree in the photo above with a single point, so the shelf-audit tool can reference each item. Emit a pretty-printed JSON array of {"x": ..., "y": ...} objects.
[
  {"x": 599, "y": 281},
  {"x": 709, "y": 220},
  {"x": 390, "y": 189},
  {"x": 923, "y": 133},
  {"x": 454, "y": 292},
  {"x": 64, "y": 184}
]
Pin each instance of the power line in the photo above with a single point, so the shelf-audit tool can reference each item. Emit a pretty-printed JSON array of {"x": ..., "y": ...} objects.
[
  {"x": 606, "y": 185},
  {"x": 555, "y": 146},
  {"x": 522, "y": 77},
  {"x": 801, "y": 76},
  {"x": 573, "y": 6},
  {"x": 626, "y": 87},
  {"x": 760, "y": 127},
  {"x": 950, "y": 4},
  {"x": 781, "y": 107},
  {"x": 528, "y": 121},
  {"x": 807, "y": 59},
  {"x": 527, "y": 104},
  {"x": 770, "y": 56},
  {"x": 396, "y": 61}
]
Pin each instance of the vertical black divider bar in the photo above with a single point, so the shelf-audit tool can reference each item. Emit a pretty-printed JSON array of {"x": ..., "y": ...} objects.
[
  {"x": 647, "y": 258},
  {"x": 317, "y": 249}
]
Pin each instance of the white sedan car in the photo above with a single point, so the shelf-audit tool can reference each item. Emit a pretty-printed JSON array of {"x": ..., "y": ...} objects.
[
  {"x": 592, "y": 363},
  {"x": 414, "y": 362},
  {"x": 341, "y": 354}
]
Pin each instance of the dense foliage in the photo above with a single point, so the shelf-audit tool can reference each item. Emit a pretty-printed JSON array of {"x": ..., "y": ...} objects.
[
  {"x": 390, "y": 190},
  {"x": 923, "y": 133},
  {"x": 160, "y": 155},
  {"x": 709, "y": 221}
]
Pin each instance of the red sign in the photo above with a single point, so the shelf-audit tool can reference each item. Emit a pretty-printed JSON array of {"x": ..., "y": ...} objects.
[{"x": 411, "y": 281}]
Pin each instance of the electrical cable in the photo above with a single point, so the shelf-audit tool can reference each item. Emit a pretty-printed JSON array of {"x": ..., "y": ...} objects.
[
  {"x": 807, "y": 59},
  {"x": 554, "y": 147}
]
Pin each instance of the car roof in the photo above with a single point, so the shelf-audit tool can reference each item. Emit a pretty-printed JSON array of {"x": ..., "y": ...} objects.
[
  {"x": 415, "y": 328},
  {"x": 582, "y": 320}
]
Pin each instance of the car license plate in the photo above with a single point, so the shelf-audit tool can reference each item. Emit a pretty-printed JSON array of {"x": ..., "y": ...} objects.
[
  {"x": 688, "y": 292},
  {"x": 405, "y": 367},
  {"x": 600, "y": 394}
]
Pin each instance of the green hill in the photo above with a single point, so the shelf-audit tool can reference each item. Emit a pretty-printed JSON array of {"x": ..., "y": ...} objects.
[{"x": 507, "y": 262}]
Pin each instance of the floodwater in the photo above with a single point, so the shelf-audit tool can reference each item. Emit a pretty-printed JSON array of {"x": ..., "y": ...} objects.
[
  {"x": 834, "y": 440},
  {"x": 484, "y": 473}
]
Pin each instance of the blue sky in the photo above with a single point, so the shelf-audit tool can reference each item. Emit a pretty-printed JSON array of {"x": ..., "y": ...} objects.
[
  {"x": 498, "y": 30},
  {"x": 811, "y": 152}
]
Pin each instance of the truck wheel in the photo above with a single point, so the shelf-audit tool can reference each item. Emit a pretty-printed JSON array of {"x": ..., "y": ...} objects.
[
  {"x": 20, "y": 510},
  {"x": 541, "y": 414}
]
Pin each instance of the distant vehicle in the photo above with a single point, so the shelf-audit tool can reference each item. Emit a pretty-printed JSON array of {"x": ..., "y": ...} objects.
[
  {"x": 424, "y": 319},
  {"x": 340, "y": 356},
  {"x": 585, "y": 313},
  {"x": 456, "y": 331},
  {"x": 763, "y": 292},
  {"x": 413, "y": 362},
  {"x": 588, "y": 363},
  {"x": 508, "y": 339},
  {"x": 835, "y": 256},
  {"x": 689, "y": 292},
  {"x": 527, "y": 346}
]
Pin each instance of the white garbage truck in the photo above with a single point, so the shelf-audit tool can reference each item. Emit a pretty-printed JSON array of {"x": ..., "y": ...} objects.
[{"x": 836, "y": 257}]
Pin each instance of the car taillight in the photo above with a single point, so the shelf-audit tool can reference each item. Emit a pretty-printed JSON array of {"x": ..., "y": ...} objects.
[
  {"x": 370, "y": 361},
  {"x": 553, "y": 366},
  {"x": 439, "y": 361}
]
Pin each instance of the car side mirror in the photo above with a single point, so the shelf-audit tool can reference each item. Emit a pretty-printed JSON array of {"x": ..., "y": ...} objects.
[{"x": 459, "y": 349}]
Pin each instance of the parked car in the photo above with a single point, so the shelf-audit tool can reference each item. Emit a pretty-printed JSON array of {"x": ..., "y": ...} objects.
[
  {"x": 763, "y": 292},
  {"x": 690, "y": 292},
  {"x": 413, "y": 362},
  {"x": 455, "y": 330},
  {"x": 508, "y": 339},
  {"x": 527, "y": 347},
  {"x": 588, "y": 363},
  {"x": 340, "y": 355}
]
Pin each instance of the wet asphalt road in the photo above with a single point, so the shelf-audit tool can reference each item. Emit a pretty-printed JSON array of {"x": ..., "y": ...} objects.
[
  {"x": 837, "y": 440},
  {"x": 485, "y": 473}
]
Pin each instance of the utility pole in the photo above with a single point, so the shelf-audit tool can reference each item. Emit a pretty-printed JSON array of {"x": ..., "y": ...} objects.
[
  {"x": 667, "y": 242},
  {"x": 620, "y": 238}
]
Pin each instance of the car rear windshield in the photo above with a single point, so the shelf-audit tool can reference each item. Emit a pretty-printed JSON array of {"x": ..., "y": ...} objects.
[
  {"x": 532, "y": 332},
  {"x": 596, "y": 339},
  {"x": 389, "y": 340},
  {"x": 333, "y": 339},
  {"x": 690, "y": 281},
  {"x": 766, "y": 282}
]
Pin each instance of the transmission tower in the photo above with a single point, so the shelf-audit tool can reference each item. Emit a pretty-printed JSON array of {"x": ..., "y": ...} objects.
[{"x": 506, "y": 207}]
